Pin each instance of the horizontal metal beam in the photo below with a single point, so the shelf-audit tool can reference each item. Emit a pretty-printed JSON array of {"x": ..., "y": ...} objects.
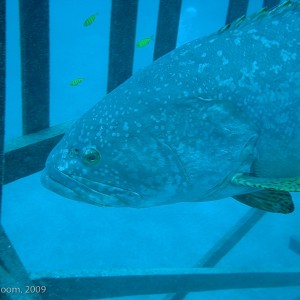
[
  {"x": 161, "y": 281},
  {"x": 27, "y": 154}
]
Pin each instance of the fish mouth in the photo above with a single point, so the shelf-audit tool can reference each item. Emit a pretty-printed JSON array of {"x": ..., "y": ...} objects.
[{"x": 93, "y": 192}]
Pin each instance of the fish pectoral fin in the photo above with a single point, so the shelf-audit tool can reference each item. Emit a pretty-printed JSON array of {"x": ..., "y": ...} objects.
[
  {"x": 277, "y": 184},
  {"x": 272, "y": 201}
]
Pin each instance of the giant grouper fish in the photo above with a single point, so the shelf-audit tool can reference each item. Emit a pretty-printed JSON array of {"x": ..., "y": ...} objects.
[{"x": 217, "y": 117}]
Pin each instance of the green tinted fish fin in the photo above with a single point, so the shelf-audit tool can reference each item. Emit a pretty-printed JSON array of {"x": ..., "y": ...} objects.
[
  {"x": 272, "y": 201},
  {"x": 277, "y": 184}
]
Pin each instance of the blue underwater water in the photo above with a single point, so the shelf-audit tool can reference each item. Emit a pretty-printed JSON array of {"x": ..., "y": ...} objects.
[{"x": 52, "y": 234}]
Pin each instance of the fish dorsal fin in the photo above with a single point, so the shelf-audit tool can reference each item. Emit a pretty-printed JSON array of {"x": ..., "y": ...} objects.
[
  {"x": 263, "y": 12},
  {"x": 276, "y": 184},
  {"x": 272, "y": 201}
]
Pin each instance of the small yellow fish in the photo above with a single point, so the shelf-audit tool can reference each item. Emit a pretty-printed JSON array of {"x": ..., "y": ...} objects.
[
  {"x": 76, "y": 81},
  {"x": 144, "y": 42},
  {"x": 90, "y": 20}
]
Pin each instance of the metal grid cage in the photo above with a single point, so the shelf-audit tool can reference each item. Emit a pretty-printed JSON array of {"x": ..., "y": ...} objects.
[{"x": 30, "y": 151}]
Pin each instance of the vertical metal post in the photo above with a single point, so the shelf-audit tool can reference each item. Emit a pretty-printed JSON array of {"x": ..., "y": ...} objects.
[
  {"x": 294, "y": 244},
  {"x": 122, "y": 40},
  {"x": 167, "y": 27},
  {"x": 236, "y": 9},
  {"x": 270, "y": 3},
  {"x": 34, "y": 32},
  {"x": 2, "y": 91},
  {"x": 12, "y": 272}
]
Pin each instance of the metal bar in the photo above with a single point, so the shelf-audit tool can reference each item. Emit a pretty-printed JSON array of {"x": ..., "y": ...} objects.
[
  {"x": 12, "y": 272},
  {"x": 34, "y": 32},
  {"x": 167, "y": 27},
  {"x": 109, "y": 284},
  {"x": 228, "y": 241},
  {"x": 294, "y": 244},
  {"x": 30, "y": 152},
  {"x": 236, "y": 9},
  {"x": 270, "y": 3},
  {"x": 122, "y": 40},
  {"x": 2, "y": 91},
  {"x": 231, "y": 238}
]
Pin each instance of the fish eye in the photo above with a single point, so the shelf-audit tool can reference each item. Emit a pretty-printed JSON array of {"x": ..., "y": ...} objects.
[{"x": 91, "y": 156}]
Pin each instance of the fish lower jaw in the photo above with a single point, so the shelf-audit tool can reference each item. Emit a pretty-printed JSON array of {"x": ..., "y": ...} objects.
[{"x": 68, "y": 187}]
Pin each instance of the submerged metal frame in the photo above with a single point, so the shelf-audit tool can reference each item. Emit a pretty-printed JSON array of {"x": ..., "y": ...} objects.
[{"x": 29, "y": 153}]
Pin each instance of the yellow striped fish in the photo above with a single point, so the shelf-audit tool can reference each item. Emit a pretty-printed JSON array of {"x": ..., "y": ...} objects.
[
  {"x": 144, "y": 42},
  {"x": 90, "y": 20},
  {"x": 76, "y": 81}
]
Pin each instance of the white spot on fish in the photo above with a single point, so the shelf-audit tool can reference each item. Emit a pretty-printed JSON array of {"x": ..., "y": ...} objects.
[
  {"x": 254, "y": 66},
  {"x": 184, "y": 53},
  {"x": 252, "y": 31},
  {"x": 287, "y": 55},
  {"x": 219, "y": 53},
  {"x": 237, "y": 41},
  {"x": 226, "y": 82},
  {"x": 125, "y": 126},
  {"x": 204, "y": 54},
  {"x": 268, "y": 43},
  {"x": 236, "y": 33},
  {"x": 225, "y": 61},
  {"x": 201, "y": 67},
  {"x": 276, "y": 68}
]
